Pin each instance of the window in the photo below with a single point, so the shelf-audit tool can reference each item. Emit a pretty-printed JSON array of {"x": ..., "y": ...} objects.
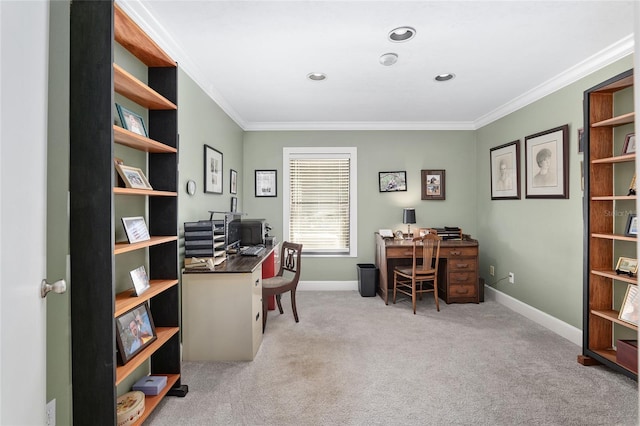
[{"x": 319, "y": 200}]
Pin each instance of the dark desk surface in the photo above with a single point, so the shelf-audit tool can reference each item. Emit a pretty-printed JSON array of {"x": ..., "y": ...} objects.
[{"x": 237, "y": 263}]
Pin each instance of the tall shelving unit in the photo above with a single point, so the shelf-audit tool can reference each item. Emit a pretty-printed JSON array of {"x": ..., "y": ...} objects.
[
  {"x": 607, "y": 118},
  {"x": 94, "y": 77}
]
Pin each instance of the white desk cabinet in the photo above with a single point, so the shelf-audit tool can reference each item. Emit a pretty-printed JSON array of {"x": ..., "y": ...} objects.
[{"x": 222, "y": 315}]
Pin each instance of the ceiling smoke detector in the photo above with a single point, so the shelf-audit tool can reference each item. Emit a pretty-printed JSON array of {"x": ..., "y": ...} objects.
[
  {"x": 388, "y": 59},
  {"x": 401, "y": 34}
]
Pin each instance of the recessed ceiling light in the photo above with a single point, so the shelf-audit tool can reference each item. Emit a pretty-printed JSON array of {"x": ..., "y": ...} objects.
[
  {"x": 388, "y": 59},
  {"x": 401, "y": 34},
  {"x": 316, "y": 76},
  {"x": 445, "y": 77}
]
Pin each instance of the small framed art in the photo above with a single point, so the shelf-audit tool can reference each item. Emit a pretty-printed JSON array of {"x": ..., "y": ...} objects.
[
  {"x": 505, "y": 171},
  {"x": 629, "y": 308},
  {"x": 133, "y": 177},
  {"x": 627, "y": 265},
  {"x": 134, "y": 331},
  {"x": 140, "y": 280},
  {"x": 234, "y": 204},
  {"x": 631, "y": 229},
  {"x": 266, "y": 183},
  {"x": 136, "y": 229},
  {"x": 212, "y": 170},
  {"x": 131, "y": 121},
  {"x": 547, "y": 163},
  {"x": 629, "y": 146},
  {"x": 392, "y": 181},
  {"x": 433, "y": 184},
  {"x": 233, "y": 182}
]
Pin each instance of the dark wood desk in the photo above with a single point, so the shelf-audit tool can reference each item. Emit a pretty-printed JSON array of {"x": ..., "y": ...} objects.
[{"x": 458, "y": 278}]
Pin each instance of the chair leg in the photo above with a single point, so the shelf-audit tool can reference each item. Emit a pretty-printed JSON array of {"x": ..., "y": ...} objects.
[
  {"x": 395, "y": 285},
  {"x": 278, "y": 297},
  {"x": 413, "y": 294},
  {"x": 435, "y": 294},
  {"x": 293, "y": 304},
  {"x": 264, "y": 313}
]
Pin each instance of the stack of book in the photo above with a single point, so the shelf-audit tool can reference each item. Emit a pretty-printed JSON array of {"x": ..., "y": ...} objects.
[{"x": 449, "y": 233}]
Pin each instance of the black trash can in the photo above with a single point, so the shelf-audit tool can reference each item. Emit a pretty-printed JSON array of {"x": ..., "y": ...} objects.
[{"x": 367, "y": 279}]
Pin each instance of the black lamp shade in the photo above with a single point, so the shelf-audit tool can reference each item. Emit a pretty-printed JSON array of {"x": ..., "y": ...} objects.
[{"x": 409, "y": 216}]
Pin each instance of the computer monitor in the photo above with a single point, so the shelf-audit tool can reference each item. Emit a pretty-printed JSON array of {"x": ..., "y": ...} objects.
[
  {"x": 253, "y": 232},
  {"x": 233, "y": 232}
]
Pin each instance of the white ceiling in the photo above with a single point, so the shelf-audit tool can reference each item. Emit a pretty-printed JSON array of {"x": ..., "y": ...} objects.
[{"x": 252, "y": 57}]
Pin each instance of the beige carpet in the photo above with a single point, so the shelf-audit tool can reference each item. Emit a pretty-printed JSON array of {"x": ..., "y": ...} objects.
[{"x": 354, "y": 361}]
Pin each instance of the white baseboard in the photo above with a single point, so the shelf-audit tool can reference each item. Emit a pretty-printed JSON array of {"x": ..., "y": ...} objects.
[
  {"x": 569, "y": 332},
  {"x": 328, "y": 285}
]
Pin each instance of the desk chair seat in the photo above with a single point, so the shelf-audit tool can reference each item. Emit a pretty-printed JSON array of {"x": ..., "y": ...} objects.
[
  {"x": 286, "y": 280},
  {"x": 424, "y": 269}
]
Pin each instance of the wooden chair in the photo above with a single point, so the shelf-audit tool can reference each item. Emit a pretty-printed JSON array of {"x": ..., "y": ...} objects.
[
  {"x": 286, "y": 280},
  {"x": 411, "y": 280}
]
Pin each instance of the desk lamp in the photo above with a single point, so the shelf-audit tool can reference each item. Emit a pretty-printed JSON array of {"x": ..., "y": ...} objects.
[{"x": 409, "y": 217}]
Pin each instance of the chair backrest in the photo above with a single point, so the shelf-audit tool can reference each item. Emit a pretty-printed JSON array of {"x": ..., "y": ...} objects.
[
  {"x": 290, "y": 257},
  {"x": 430, "y": 245}
]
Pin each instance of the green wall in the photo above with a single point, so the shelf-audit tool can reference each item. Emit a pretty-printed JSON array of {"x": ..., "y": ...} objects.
[
  {"x": 540, "y": 240},
  {"x": 410, "y": 151}
]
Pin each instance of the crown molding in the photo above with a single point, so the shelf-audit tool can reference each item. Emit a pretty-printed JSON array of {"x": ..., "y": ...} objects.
[{"x": 358, "y": 125}]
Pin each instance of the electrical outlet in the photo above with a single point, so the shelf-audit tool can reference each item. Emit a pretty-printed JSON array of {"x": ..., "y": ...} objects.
[
  {"x": 512, "y": 277},
  {"x": 51, "y": 413},
  {"x": 492, "y": 270}
]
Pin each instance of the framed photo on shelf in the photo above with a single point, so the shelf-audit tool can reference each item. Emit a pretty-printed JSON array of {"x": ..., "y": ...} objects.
[
  {"x": 631, "y": 229},
  {"x": 140, "y": 280},
  {"x": 266, "y": 183},
  {"x": 136, "y": 229},
  {"x": 433, "y": 184},
  {"x": 212, "y": 170},
  {"x": 134, "y": 331},
  {"x": 629, "y": 146},
  {"x": 505, "y": 171},
  {"x": 547, "y": 163},
  {"x": 133, "y": 177},
  {"x": 629, "y": 308},
  {"x": 234, "y": 204},
  {"x": 233, "y": 182},
  {"x": 627, "y": 265},
  {"x": 131, "y": 121}
]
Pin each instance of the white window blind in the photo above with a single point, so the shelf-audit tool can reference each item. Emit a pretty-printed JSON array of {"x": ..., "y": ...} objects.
[{"x": 319, "y": 201}]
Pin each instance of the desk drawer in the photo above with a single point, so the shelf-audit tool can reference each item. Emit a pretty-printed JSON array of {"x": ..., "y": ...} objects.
[
  {"x": 463, "y": 264},
  {"x": 452, "y": 252},
  {"x": 401, "y": 252},
  {"x": 462, "y": 290}
]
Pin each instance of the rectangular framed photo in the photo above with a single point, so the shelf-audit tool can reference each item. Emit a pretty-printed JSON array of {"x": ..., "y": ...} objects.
[
  {"x": 136, "y": 229},
  {"x": 134, "y": 331},
  {"x": 212, "y": 170},
  {"x": 133, "y": 177},
  {"x": 392, "y": 181},
  {"x": 547, "y": 163},
  {"x": 233, "y": 182},
  {"x": 629, "y": 146},
  {"x": 581, "y": 140},
  {"x": 433, "y": 184},
  {"x": 140, "y": 280},
  {"x": 131, "y": 121},
  {"x": 627, "y": 265},
  {"x": 505, "y": 171},
  {"x": 234, "y": 204},
  {"x": 266, "y": 183},
  {"x": 631, "y": 229},
  {"x": 629, "y": 308}
]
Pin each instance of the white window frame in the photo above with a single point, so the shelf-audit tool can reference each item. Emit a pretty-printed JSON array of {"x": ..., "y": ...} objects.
[{"x": 344, "y": 152}]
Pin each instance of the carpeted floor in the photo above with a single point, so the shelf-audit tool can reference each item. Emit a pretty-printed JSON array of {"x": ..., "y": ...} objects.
[{"x": 351, "y": 360}]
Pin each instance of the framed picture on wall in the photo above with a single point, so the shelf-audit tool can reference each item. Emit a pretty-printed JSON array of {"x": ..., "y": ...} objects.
[
  {"x": 212, "y": 170},
  {"x": 392, "y": 181},
  {"x": 233, "y": 182},
  {"x": 433, "y": 184},
  {"x": 505, "y": 171},
  {"x": 266, "y": 183},
  {"x": 547, "y": 163}
]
